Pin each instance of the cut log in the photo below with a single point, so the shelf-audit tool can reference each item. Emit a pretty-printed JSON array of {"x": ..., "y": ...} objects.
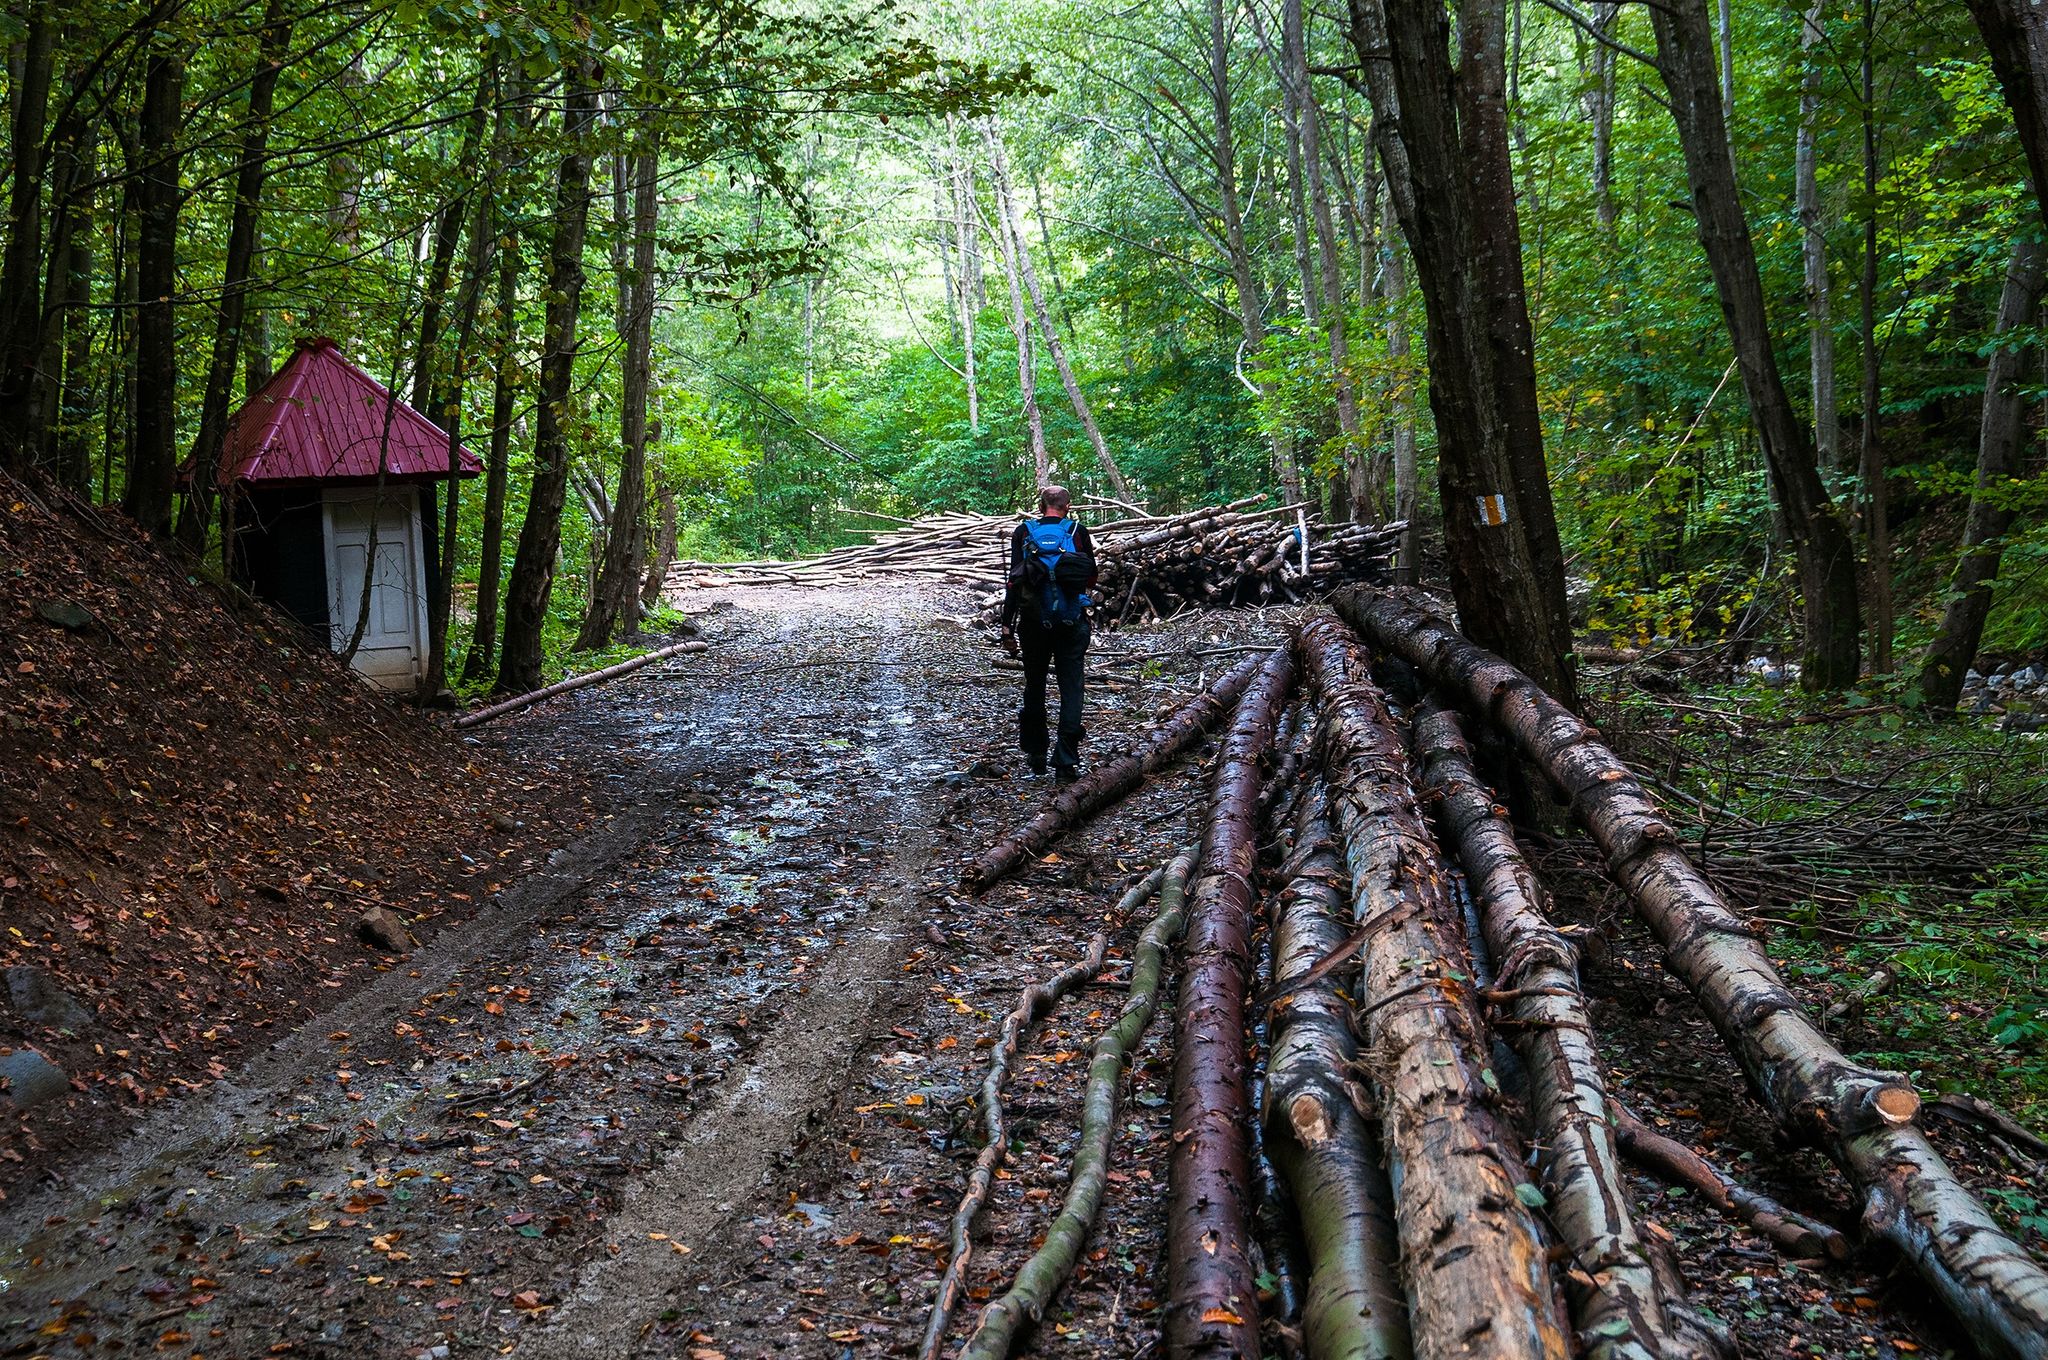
[
  {"x": 1316, "y": 1128},
  {"x": 575, "y": 682},
  {"x": 1105, "y": 784},
  {"x": 1212, "y": 1300},
  {"x": 1032, "y": 1005},
  {"x": 1004, "y": 1322},
  {"x": 1796, "y": 1235},
  {"x": 1864, "y": 1119},
  {"x": 1477, "y": 1276},
  {"x": 1617, "y": 1306}
]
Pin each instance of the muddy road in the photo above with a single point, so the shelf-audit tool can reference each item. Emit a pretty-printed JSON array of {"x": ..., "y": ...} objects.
[{"x": 544, "y": 1125}]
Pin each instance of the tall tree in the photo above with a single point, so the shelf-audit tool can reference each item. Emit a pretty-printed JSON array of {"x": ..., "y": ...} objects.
[
  {"x": 21, "y": 263},
  {"x": 1442, "y": 174},
  {"x": 490, "y": 571},
  {"x": 153, "y": 457},
  {"x": 236, "y": 276},
  {"x": 1020, "y": 254},
  {"x": 2015, "y": 33},
  {"x": 2001, "y": 442},
  {"x": 1813, "y": 240},
  {"x": 615, "y": 602},
  {"x": 540, "y": 534},
  {"x": 1686, "y": 57}
]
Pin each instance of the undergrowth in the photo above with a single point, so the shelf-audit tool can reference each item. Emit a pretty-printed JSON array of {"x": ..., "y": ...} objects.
[{"x": 1875, "y": 841}]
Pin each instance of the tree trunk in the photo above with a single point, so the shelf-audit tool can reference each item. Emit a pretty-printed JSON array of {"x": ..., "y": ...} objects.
[
  {"x": 1483, "y": 131},
  {"x": 1813, "y": 245},
  {"x": 1364, "y": 498},
  {"x": 236, "y": 280},
  {"x": 1820, "y": 543},
  {"x": 1601, "y": 95},
  {"x": 1475, "y": 1266},
  {"x": 1625, "y": 1314},
  {"x": 483, "y": 639},
  {"x": 446, "y": 410},
  {"x": 2001, "y": 443},
  {"x": 664, "y": 555},
  {"x": 1212, "y": 1304},
  {"x": 1877, "y": 534},
  {"x": 1328, "y": 1151},
  {"x": 1491, "y": 512},
  {"x": 153, "y": 459},
  {"x": 1861, "y": 1117},
  {"x": 540, "y": 535},
  {"x": 21, "y": 264},
  {"x": 447, "y": 236},
  {"x": 1027, "y": 368},
  {"x": 1394, "y": 287},
  {"x": 73, "y": 447},
  {"x": 1103, "y": 785},
  {"x": 2016, "y": 35},
  {"x": 1020, "y": 251},
  {"x": 615, "y": 602}
]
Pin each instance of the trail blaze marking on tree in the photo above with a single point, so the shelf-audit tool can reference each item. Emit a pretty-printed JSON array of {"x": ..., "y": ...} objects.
[{"x": 1493, "y": 509}]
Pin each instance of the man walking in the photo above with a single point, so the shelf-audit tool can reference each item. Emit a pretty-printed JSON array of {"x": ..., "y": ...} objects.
[{"x": 1045, "y": 618}]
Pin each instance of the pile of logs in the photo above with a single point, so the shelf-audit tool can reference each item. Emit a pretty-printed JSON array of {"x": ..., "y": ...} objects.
[
  {"x": 1152, "y": 566},
  {"x": 1433, "y": 1097}
]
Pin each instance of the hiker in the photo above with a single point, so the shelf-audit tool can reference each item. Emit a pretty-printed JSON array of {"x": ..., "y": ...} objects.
[{"x": 1045, "y": 618}]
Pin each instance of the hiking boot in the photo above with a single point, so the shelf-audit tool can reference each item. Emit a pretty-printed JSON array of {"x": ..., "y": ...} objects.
[
  {"x": 1038, "y": 763},
  {"x": 1067, "y": 774}
]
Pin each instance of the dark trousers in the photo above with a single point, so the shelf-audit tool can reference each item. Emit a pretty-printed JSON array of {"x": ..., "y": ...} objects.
[{"x": 1062, "y": 648}]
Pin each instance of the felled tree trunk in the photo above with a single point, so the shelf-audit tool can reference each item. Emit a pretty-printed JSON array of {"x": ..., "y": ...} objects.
[
  {"x": 1478, "y": 1281},
  {"x": 1315, "y": 1131},
  {"x": 1104, "y": 784},
  {"x": 1212, "y": 1300},
  {"x": 1536, "y": 979},
  {"x": 1861, "y": 1117},
  {"x": 1006, "y": 1319}
]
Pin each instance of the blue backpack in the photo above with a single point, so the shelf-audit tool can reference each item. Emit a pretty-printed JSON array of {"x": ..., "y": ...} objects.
[{"x": 1062, "y": 578}]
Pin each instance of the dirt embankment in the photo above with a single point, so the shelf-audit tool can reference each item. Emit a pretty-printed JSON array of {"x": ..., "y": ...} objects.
[{"x": 196, "y": 805}]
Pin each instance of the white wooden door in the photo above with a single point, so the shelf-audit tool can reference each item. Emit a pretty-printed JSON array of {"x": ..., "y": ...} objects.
[{"x": 393, "y": 649}]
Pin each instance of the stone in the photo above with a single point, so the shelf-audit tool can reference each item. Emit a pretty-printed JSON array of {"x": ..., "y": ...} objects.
[
  {"x": 2023, "y": 722},
  {"x": 501, "y": 822},
  {"x": 38, "y": 999},
  {"x": 385, "y": 929},
  {"x": 31, "y": 1078},
  {"x": 69, "y": 615}
]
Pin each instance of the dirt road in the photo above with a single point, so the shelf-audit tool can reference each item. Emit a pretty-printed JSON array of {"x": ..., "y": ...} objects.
[{"x": 543, "y": 1122}]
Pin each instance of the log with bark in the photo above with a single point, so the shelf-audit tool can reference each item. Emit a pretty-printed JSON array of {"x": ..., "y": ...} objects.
[
  {"x": 1863, "y": 1118},
  {"x": 576, "y": 682},
  {"x": 1004, "y": 1321},
  {"x": 1476, "y": 1270},
  {"x": 1617, "y": 1305},
  {"x": 1212, "y": 1300},
  {"x": 1314, "y": 1115},
  {"x": 1106, "y": 783},
  {"x": 1032, "y": 1005},
  {"x": 1796, "y": 1235}
]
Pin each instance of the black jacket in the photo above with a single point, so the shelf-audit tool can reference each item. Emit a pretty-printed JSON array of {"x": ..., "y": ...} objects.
[{"x": 1016, "y": 595}]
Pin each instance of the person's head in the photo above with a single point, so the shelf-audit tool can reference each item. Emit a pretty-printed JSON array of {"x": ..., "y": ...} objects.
[{"x": 1054, "y": 502}]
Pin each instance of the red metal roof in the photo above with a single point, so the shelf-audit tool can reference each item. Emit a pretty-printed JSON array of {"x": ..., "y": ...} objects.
[{"x": 322, "y": 419}]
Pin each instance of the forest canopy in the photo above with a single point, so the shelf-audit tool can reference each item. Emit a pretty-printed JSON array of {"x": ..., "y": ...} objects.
[{"x": 1744, "y": 299}]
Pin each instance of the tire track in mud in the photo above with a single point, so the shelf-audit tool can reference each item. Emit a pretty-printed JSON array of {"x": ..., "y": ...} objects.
[{"x": 722, "y": 1173}]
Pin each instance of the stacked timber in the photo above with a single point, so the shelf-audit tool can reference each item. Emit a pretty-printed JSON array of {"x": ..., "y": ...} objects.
[
  {"x": 1433, "y": 1095},
  {"x": 1152, "y": 566}
]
